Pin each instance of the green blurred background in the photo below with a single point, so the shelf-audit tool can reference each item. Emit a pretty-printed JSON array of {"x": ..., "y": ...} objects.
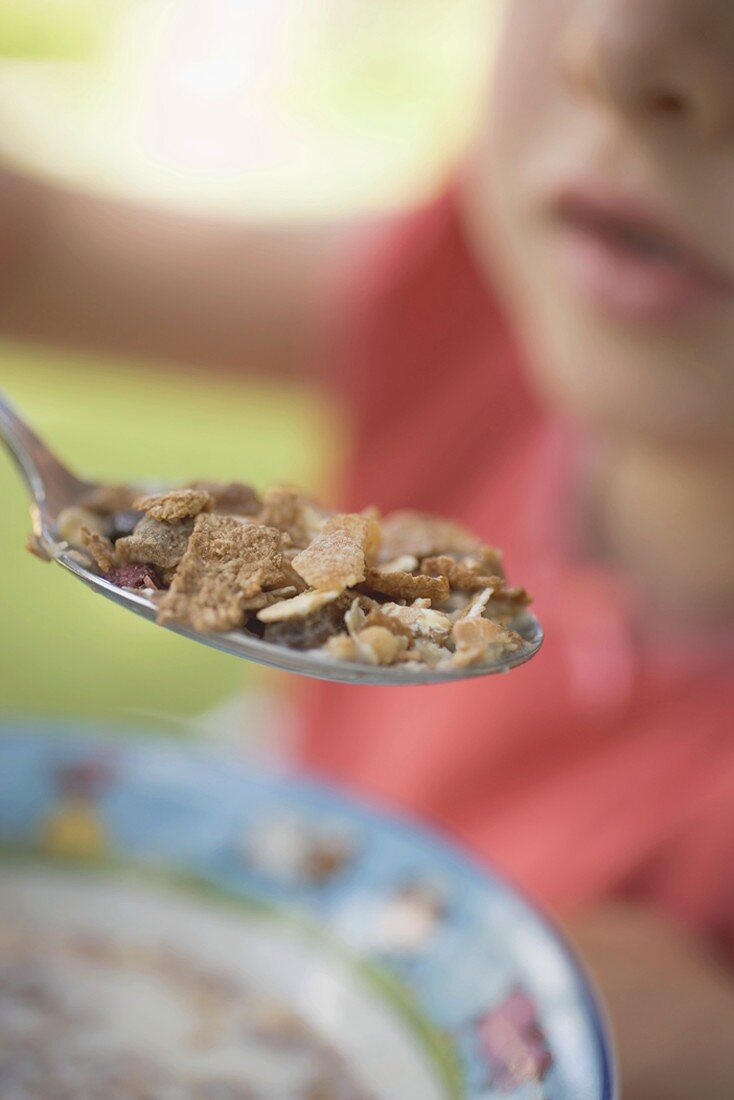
[{"x": 288, "y": 109}]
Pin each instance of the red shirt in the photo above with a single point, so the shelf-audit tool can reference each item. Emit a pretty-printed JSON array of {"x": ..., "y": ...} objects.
[{"x": 606, "y": 765}]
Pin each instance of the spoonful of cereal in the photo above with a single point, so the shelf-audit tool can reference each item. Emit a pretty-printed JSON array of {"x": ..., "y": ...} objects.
[{"x": 279, "y": 579}]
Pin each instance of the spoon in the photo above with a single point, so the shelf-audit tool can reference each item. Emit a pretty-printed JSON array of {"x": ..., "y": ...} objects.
[{"x": 53, "y": 487}]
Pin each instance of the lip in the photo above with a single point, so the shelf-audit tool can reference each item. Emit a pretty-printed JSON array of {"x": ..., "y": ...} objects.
[{"x": 628, "y": 261}]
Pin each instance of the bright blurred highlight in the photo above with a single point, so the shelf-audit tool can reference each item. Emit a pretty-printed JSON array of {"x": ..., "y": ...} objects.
[{"x": 245, "y": 106}]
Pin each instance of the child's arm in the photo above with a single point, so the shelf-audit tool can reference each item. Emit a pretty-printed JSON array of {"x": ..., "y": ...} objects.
[
  {"x": 94, "y": 272},
  {"x": 671, "y": 1005}
]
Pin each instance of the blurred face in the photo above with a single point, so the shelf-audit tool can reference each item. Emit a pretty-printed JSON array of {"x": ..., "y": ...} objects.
[{"x": 602, "y": 199}]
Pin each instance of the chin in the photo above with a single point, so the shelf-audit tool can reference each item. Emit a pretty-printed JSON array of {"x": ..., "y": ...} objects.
[
  {"x": 610, "y": 404},
  {"x": 617, "y": 393}
]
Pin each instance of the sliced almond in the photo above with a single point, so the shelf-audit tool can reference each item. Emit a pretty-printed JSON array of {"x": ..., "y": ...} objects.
[
  {"x": 404, "y": 563},
  {"x": 423, "y": 622},
  {"x": 298, "y": 607}
]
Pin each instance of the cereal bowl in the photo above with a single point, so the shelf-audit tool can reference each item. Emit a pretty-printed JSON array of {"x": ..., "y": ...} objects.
[{"x": 177, "y": 922}]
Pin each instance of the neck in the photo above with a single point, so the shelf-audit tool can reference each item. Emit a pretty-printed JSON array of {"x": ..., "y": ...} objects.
[{"x": 667, "y": 520}]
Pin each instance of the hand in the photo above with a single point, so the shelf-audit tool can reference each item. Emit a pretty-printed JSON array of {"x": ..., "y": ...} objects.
[{"x": 671, "y": 1005}]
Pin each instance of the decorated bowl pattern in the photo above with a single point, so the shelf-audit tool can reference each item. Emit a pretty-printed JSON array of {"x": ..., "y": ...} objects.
[{"x": 486, "y": 987}]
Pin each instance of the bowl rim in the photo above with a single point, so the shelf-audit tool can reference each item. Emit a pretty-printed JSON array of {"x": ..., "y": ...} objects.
[{"x": 79, "y": 735}]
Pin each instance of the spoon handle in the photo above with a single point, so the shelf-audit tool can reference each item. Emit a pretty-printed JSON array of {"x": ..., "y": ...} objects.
[{"x": 49, "y": 482}]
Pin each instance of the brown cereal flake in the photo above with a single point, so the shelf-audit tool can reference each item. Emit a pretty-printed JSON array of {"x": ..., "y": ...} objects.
[
  {"x": 232, "y": 498},
  {"x": 407, "y": 586},
  {"x": 292, "y": 513},
  {"x": 101, "y": 549},
  {"x": 332, "y": 561},
  {"x": 267, "y": 599},
  {"x": 514, "y": 594},
  {"x": 488, "y": 560},
  {"x": 290, "y": 577},
  {"x": 422, "y": 536},
  {"x": 479, "y": 641},
  {"x": 364, "y": 528},
  {"x": 173, "y": 506},
  {"x": 71, "y": 520},
  {"x": 413, "y": 588},
  {"x": 507, "y": 603},
  {"x": 160, "y": 544},
  {"x": 336, "y": 557},
  {"x": 467, "y": 575},
  {"x": 470, "y": 632},
  {"x": 34, "y": 546},
  {"x": 108, "y": 499},
  {"x": 225, "y": 564}
]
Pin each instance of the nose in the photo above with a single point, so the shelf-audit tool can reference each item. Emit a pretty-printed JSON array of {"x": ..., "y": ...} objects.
[{"x": 657, "y": 60}]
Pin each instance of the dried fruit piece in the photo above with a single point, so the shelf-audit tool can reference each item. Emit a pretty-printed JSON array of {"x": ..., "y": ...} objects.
[
  {"x": 337, "y": 557},
  {"x": 407, "y": 586},
  {"x": 422, "y": 536},
  {"x": 162, "y": 544},
  {"x": 299, "y": 607},
  {"x": 134, "y": 576},
  {"x": 101, "y": 549},
  {"x": 173, "y": 506},
  {"x": 225, "y": 564},
  {"x": 232, "y": 498}
]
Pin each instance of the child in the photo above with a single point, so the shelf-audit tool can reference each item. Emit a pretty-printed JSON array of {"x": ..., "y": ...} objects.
[{"x": 547, "y": 354}]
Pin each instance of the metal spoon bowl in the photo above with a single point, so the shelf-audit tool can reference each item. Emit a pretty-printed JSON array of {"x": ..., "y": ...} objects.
[{"x": 53, "y": 487}]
